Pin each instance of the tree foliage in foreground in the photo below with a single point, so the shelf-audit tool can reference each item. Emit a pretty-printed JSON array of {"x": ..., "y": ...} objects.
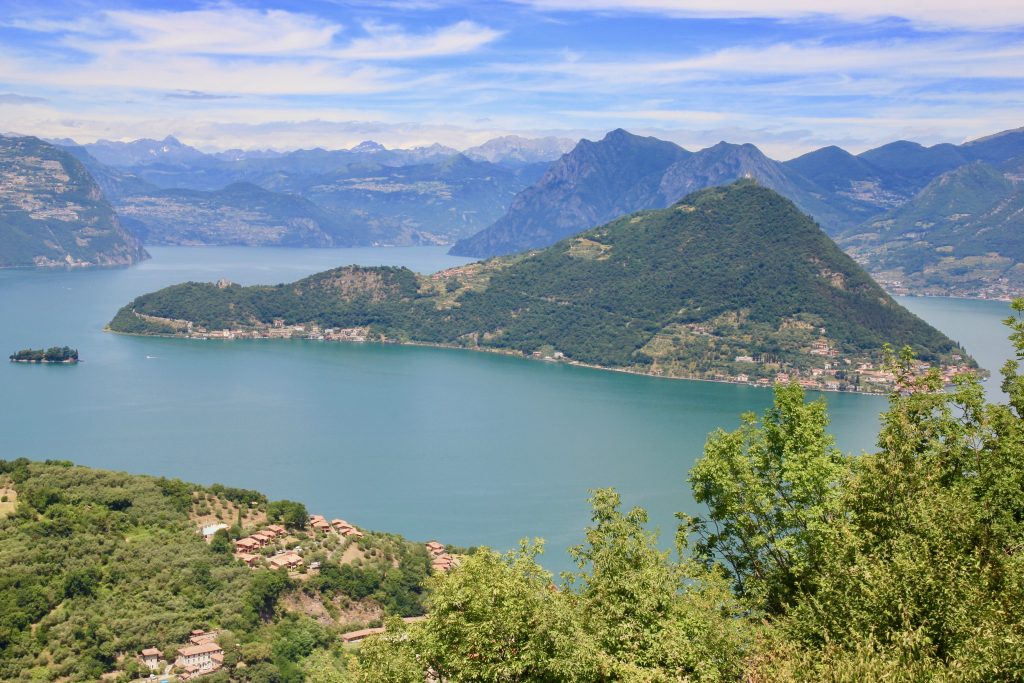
[{"x": 906, "y": 564}]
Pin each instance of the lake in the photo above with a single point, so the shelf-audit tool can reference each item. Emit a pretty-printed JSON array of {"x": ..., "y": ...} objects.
[{"x": 469, "y": 448}]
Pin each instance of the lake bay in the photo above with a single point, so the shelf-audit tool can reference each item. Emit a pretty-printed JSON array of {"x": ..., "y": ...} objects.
[{"x": 469, "y": 448}]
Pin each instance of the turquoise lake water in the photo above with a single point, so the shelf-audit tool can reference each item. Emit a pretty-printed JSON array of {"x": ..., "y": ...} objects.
[{"x": 469, "y": 448}]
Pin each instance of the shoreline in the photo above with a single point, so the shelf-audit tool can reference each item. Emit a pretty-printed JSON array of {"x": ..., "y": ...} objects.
[{"x": 513, "y": 354}]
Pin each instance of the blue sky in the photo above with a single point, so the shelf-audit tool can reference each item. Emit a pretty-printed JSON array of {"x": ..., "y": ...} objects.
[{"x": 785, "y": 75}]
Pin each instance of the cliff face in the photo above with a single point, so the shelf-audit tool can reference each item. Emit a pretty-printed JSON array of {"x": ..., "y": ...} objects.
[{"x": 53, "y": 214}]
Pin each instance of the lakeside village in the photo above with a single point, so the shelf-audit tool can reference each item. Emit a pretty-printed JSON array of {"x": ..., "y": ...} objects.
[
  {"x": 824, "y": 370},
  {"x": 276, "y": 548}
]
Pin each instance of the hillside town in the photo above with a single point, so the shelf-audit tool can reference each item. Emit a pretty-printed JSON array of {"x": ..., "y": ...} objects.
[{"x": 274, "y": 547}]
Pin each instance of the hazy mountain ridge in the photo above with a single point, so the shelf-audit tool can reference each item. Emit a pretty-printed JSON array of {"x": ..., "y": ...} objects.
[
  {"x": 52, "y": 212},
  {"x": 369, "y": 194},
  {"x": 514, "y": 150},
  {"x": 732, "y": 282},
  {"x": 240, "y": 214},
  {"x": 962, "y": 234}
]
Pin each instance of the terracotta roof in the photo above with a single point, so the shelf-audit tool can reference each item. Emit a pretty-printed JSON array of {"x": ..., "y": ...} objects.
[
  {"x": 193, "y": 650},
  {"x": 152, "y": 652},
  {"x": 354, "y": 636}
]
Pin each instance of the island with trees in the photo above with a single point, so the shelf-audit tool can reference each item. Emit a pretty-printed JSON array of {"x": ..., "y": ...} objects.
[
  {"x": 732, "y": 283},
  {"x": 54, "y": 354}
]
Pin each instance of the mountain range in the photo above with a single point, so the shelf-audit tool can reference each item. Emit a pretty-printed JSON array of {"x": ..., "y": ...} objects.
[
  {"x": 732, "y": 282},
  {"x": 372, "y": 195},
  {"x": 511, "y": 194},
  {"x": 963, "y": 234},
  {"x": 849, "y": 195}
]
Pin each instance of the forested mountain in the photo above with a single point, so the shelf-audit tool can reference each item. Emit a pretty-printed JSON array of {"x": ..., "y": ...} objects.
[
  {"x": 52, "y": 212},
  {"x": 962, "y": 234},
  {"x": 729, "y": 282},
  {"x": 622, "y": 173},
  {"x": 848, "y": 195},
  {"x": 594, "y": 183},
  {"x": 723, "y": 163}
]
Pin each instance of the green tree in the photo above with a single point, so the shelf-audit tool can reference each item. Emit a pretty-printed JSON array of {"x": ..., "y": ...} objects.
[
  {"x": 768, "y": 486},
  {"x": 391, "y": 656},
  {"x": 650, "y": 617},
  {"x": 495, "y": 618},
  {"x": 288, "y": 512},
  {"x": 221, "y": 542}
]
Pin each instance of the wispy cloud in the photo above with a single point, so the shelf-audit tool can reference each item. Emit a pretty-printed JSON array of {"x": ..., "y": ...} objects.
[
  {"x": 789, "y": 75},
  {"x": 14, "y": 98},
  {"x": 930, "y": 13},
  {"x": 390, "y": 42},
  {"x": 197, "y": 95}
]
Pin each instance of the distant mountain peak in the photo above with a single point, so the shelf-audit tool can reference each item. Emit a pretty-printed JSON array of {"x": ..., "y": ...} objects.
[
  {"x": 516, "y": 150},
  {"x": 368, "y": 147}
]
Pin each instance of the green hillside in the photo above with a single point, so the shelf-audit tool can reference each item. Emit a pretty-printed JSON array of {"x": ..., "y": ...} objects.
[
  {"x": 52, "y": 212},
  {"x": 962, "y": 234},
  {"x": 730, "y": 282},
  {"x": 98, "y": 565}
]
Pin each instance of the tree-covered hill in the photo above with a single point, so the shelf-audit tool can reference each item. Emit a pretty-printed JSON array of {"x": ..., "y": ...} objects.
[
  {"x": 52, "y": 212},
  {"x": 730, "y": 281}
]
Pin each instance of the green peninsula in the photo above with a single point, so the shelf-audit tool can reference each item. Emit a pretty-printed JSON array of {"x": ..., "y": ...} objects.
[{"x": 732, "y": 283}]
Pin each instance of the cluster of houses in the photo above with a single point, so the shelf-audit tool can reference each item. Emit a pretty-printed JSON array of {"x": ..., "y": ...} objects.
[
  {"x": 343, "y": 528},
  {"x": 202, "y": 655},
  {"x": 277, "y": 330},
  {"x": 245, "y": 548},
  {"x": 440, "y": 561}
]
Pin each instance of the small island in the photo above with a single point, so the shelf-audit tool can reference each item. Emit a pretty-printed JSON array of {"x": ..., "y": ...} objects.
[{"x": 54, "y": 354}]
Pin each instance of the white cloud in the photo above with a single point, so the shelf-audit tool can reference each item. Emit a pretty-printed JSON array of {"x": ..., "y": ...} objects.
[
  {"x": 392, "y": 42},
  {"x": 227, "y": 50},
  {"x": 982, "y": 14},
  {"x": 235, "y": 31},
  {"x": 884, "y": 66}
]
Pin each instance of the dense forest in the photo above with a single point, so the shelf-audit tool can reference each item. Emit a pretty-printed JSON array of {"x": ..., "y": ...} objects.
[{"x": 727, "y": 273}]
